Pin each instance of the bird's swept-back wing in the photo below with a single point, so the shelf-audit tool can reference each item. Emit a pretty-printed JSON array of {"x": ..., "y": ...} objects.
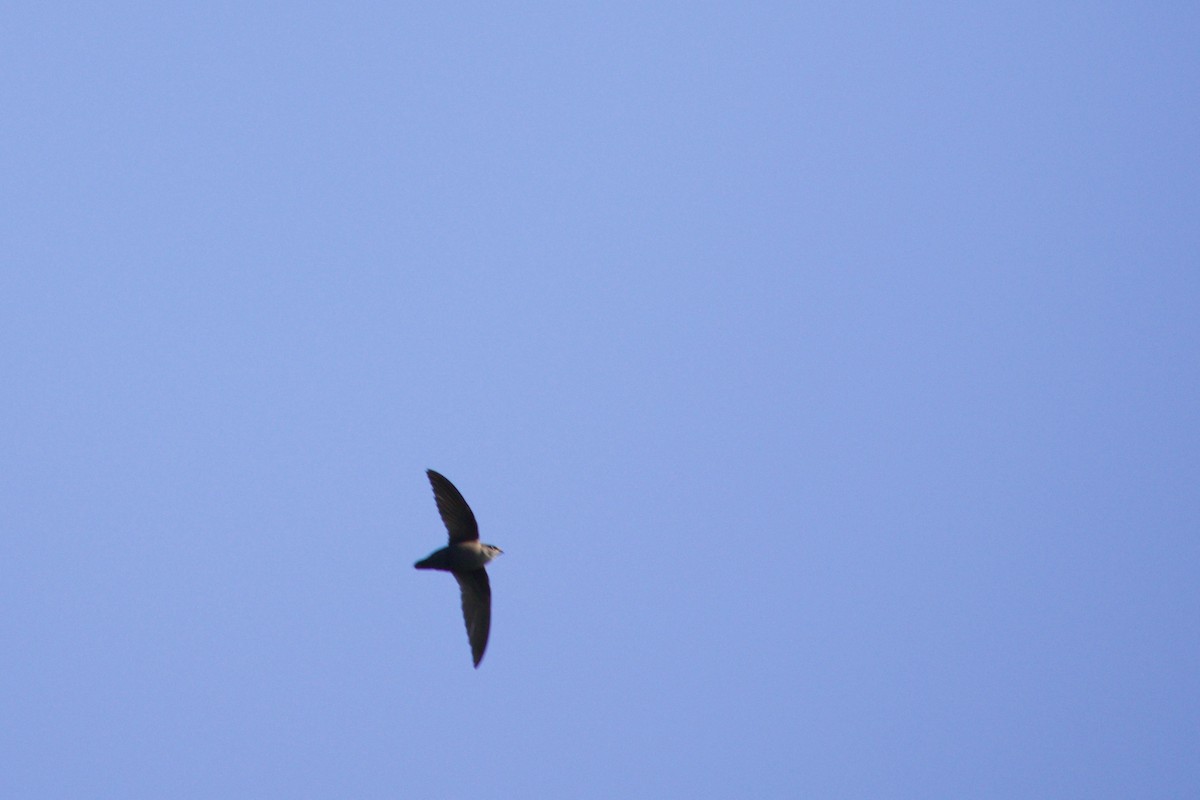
[
  {"x": 477, "y": 609},
  {"x": 456, "y": 514}
]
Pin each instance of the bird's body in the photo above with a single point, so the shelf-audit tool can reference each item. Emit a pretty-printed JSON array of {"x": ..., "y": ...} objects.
[
  {"x": 465, "y": 558},
  {"x": 460, "y": 556}
]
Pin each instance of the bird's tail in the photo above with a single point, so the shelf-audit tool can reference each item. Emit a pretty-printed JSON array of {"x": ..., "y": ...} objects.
[{"x": 438, "y": 560}]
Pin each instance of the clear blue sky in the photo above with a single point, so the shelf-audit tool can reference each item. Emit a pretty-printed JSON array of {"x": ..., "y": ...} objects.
[{"x": 829, "y": 373}]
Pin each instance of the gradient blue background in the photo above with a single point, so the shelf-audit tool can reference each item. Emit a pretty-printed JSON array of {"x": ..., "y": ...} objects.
[{"x": 830, "y": 374}]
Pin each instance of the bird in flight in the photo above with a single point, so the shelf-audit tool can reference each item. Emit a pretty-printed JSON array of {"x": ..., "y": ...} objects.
[{"x": 465, "y": 558}]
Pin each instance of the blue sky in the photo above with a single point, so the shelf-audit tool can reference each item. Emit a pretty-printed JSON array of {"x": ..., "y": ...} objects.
[{"x": 828, "y": 373}]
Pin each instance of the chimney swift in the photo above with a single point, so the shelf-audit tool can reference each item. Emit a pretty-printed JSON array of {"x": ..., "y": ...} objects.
[{"x": 465, "y": 557}]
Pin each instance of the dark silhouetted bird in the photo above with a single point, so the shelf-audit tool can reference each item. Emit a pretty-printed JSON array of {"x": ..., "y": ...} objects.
[{"x": 465, "y": 558}]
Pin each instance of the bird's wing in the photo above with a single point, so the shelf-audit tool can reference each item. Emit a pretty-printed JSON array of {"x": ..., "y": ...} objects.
[
  {"x": 477, "y": 608},
  {"x": 456, "y": 514}
]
